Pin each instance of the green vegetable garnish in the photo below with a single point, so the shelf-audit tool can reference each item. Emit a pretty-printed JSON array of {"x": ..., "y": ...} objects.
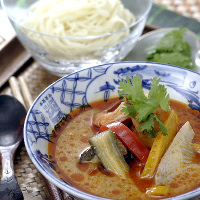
[
  {"x": 171, "y": 49},
  {"x": 143, "y": 105}
]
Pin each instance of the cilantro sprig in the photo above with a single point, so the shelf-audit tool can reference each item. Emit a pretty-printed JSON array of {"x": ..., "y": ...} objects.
[
  {"x": 172, "y": 49},
  {"x": 141, "y": 106}
]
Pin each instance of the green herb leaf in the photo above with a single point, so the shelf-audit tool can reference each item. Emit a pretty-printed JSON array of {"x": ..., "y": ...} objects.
[
  {"x": 133, "y": 91},
  {"x": 172, "y": 49},
  {"x": 129, "y": 110},
  {"x": 142, "y": 105},
  {"x": 148, "y": 126},
  {"x": 161, "y": 125},
  {"x": 173, "y": 58}
]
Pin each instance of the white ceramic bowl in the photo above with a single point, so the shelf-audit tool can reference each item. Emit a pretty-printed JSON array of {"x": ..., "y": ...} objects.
[
  {"x": 64, "y": 58},
  {"x": 85, "y": 86}
]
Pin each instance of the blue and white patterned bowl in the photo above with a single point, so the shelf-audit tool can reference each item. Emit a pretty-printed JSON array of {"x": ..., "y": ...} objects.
[{"x": 83, "y": 87}]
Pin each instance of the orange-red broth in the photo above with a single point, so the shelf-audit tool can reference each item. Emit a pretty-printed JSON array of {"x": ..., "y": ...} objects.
[{"x": 72, "y": 140}]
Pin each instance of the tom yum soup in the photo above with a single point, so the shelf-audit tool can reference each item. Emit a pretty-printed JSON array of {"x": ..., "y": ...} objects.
[{"x": 137, "y": 147}]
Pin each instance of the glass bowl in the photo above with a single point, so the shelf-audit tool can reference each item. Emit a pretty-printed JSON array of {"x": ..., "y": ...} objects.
[{"x": 63, "y": 54}]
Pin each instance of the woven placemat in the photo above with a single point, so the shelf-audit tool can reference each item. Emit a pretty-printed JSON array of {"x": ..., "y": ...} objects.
[
  {"x": 29, "y": 178},
  {"x": 189, "y": 8}
]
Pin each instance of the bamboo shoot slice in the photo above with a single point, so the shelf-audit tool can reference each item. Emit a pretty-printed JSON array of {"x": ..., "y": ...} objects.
[{"x": 179, "y": 155}]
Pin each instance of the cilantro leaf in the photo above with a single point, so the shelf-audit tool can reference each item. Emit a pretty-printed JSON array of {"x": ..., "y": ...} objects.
[
  {"x": 161, "y": 125},
  {"x": 158, "y": 94},
  {"x": 133, "y": 91},
  {"x": 173, "y": 58},
  {"x": 148, "y": 125},
  {"x": 172, "y": 49},
  {"x": 140, "y": 106},
  {"x": 129, "y": 110},
  {"x": 173, "y": 41}
]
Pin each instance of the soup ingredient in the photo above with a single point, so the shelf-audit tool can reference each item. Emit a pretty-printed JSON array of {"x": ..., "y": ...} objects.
[
  {"x": 127, "y": 137},
  {"x": 147, "y": 141},
  {"x": 178, "y": 157},
  {"x": 160, "y": 145},
  {"x": 73, "y": 139},
  {"x": 172, "y": 49},
  {"x": 109, "y": 153},
  {"x": 196, "y": 147},
  {"x": 77, "y": 18},
  {"x": 102, "y": 118},
  {"x": 141, "y": 107},
  {"x": 87, "y": 155},
  {"x": 160, "y": 190}
]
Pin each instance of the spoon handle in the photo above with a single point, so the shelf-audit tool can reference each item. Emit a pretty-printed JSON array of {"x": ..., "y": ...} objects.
[{"x": 9, "y": 188}]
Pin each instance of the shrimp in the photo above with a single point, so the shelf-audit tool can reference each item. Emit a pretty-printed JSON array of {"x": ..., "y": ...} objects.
[{"x": 105, "y": 117}]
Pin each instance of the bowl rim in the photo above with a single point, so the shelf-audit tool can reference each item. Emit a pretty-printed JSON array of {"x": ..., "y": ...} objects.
[
  {"x": 74, "y": 191},
  {"x": 85, "y": 37},
  {"x": 167, "y": 30}
]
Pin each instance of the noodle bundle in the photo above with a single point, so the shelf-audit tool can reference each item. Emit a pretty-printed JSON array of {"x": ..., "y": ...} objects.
[{"x": 77, "y": 18}]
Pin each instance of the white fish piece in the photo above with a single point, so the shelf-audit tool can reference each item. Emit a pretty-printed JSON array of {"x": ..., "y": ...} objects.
[{"x": 178, "y": 157}]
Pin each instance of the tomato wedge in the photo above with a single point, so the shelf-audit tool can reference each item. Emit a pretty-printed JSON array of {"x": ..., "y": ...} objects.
[{"x": 130, "y": 141}]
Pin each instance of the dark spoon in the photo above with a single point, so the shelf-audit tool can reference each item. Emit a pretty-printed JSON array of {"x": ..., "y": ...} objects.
[{"x": 12, "y": 116}]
